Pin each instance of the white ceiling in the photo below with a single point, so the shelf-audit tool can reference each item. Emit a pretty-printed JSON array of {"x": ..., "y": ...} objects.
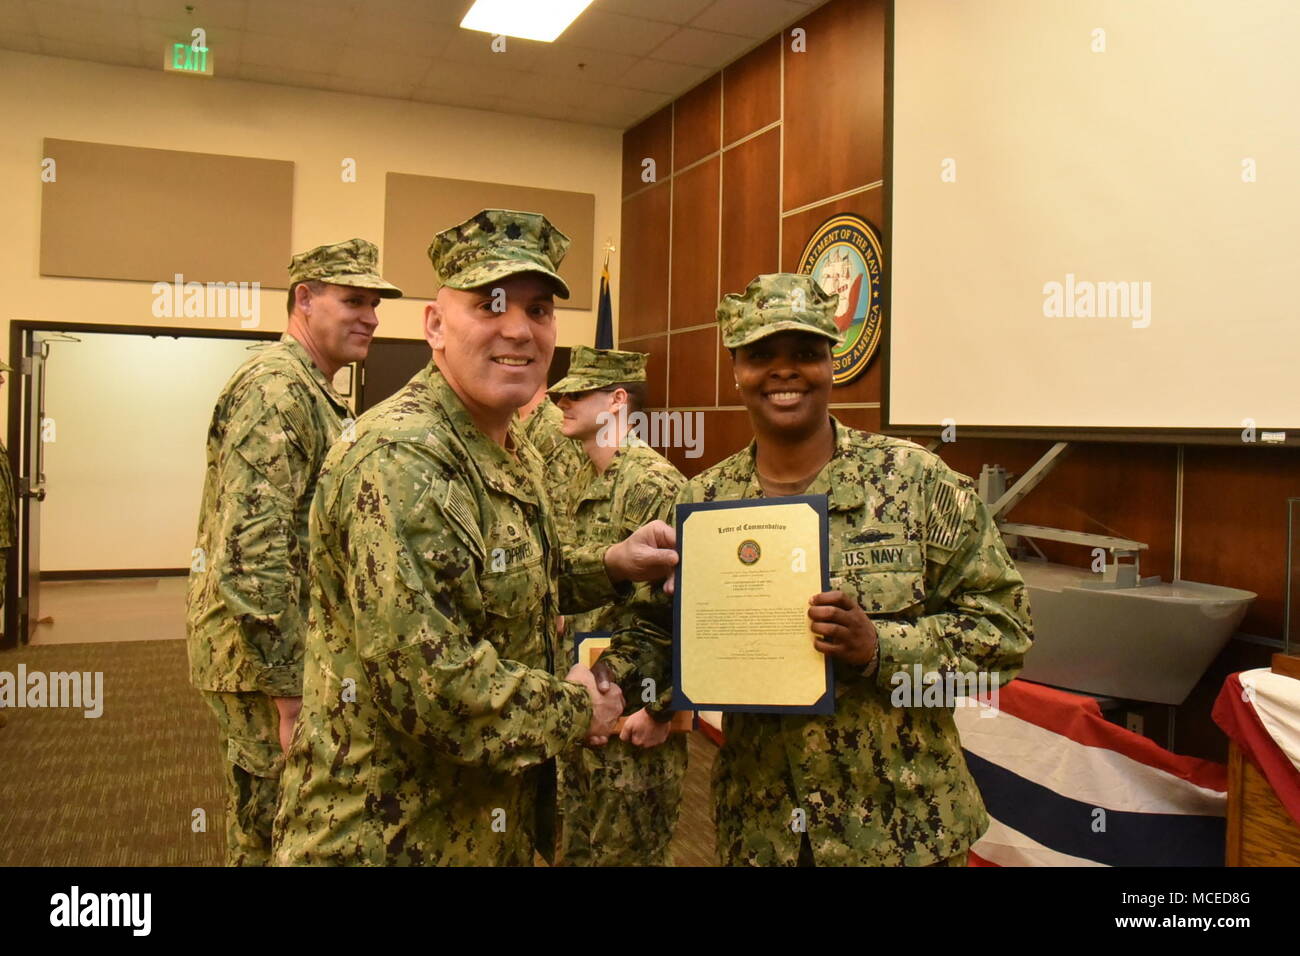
[{"x": 618, "y": 62}]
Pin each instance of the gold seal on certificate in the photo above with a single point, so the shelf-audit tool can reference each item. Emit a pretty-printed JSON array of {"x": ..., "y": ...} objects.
[{"x": 743, "y": 638}]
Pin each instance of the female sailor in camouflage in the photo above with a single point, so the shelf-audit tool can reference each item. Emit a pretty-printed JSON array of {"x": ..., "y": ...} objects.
[{"x": 922, "y": 583}]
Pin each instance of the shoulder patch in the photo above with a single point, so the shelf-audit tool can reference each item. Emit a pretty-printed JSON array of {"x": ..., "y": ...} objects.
[
  {"x": 643, "y": 503},
  {"x": 947, "y": 511},
  {"x": 457, "y": 505}
]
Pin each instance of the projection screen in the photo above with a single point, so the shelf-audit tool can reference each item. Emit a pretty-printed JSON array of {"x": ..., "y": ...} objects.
[{"x": 1092, "y": 213}]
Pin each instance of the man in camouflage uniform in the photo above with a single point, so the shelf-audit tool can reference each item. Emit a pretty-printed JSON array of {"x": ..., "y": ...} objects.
[
  {"x": 562, "y": 457},
  {"x": 920, "y": 577},
  {"x": 542, "y": 426},
  {"x": 618, "y": 803},
  {"x": 433, "y": 702},
  {"x": 247, "y": 604}
]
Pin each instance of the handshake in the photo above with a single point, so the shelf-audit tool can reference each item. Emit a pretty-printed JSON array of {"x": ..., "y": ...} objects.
[{"x": 606, "y": 702}]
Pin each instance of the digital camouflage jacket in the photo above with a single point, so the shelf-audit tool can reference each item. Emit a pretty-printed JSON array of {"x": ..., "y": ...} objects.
[
  {"x": 247, "y": 596},
  {"x": 874, "y": 783},
  {"x": 432, "y": 697}
]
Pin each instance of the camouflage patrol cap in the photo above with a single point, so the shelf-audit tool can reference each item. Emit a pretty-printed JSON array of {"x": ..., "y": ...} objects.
[
  {"x": 497, "y": 243},
  {"x": 354, "y": 263},
  {"x": 590, "y": 369},
  {"x": 778, "y": 302}
]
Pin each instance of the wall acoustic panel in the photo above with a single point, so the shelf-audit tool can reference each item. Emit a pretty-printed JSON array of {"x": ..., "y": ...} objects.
[
  {"x": 125, "y": 212},
  {"x": 418, "y": 207},
  {"x": 694, "y": 278},
  {"x": 751, "y": 91},
  {"x": 751, "y": 204},
  {"x": 652, "y": 138},
  {"x": 834, "y": 102},
  {"x": 643, "y": 285}
]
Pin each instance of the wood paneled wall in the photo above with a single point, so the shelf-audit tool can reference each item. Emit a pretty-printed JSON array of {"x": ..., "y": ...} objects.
[{"x": 747, "y": 165}]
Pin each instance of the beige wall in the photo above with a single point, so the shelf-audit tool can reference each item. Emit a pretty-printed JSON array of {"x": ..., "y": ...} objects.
[
  {"x": 70, "y": 99},
  {"x": 124, "y": 472}
]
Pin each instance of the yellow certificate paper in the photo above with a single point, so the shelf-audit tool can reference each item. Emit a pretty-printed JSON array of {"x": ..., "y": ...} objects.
[{"x": 743, "y": 640}]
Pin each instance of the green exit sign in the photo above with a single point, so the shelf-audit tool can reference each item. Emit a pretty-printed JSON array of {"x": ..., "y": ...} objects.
[{"x": 187, "y": 58}]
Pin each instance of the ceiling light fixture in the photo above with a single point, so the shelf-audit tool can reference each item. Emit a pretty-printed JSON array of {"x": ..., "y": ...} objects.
[{"x": 542, "y": 20}]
